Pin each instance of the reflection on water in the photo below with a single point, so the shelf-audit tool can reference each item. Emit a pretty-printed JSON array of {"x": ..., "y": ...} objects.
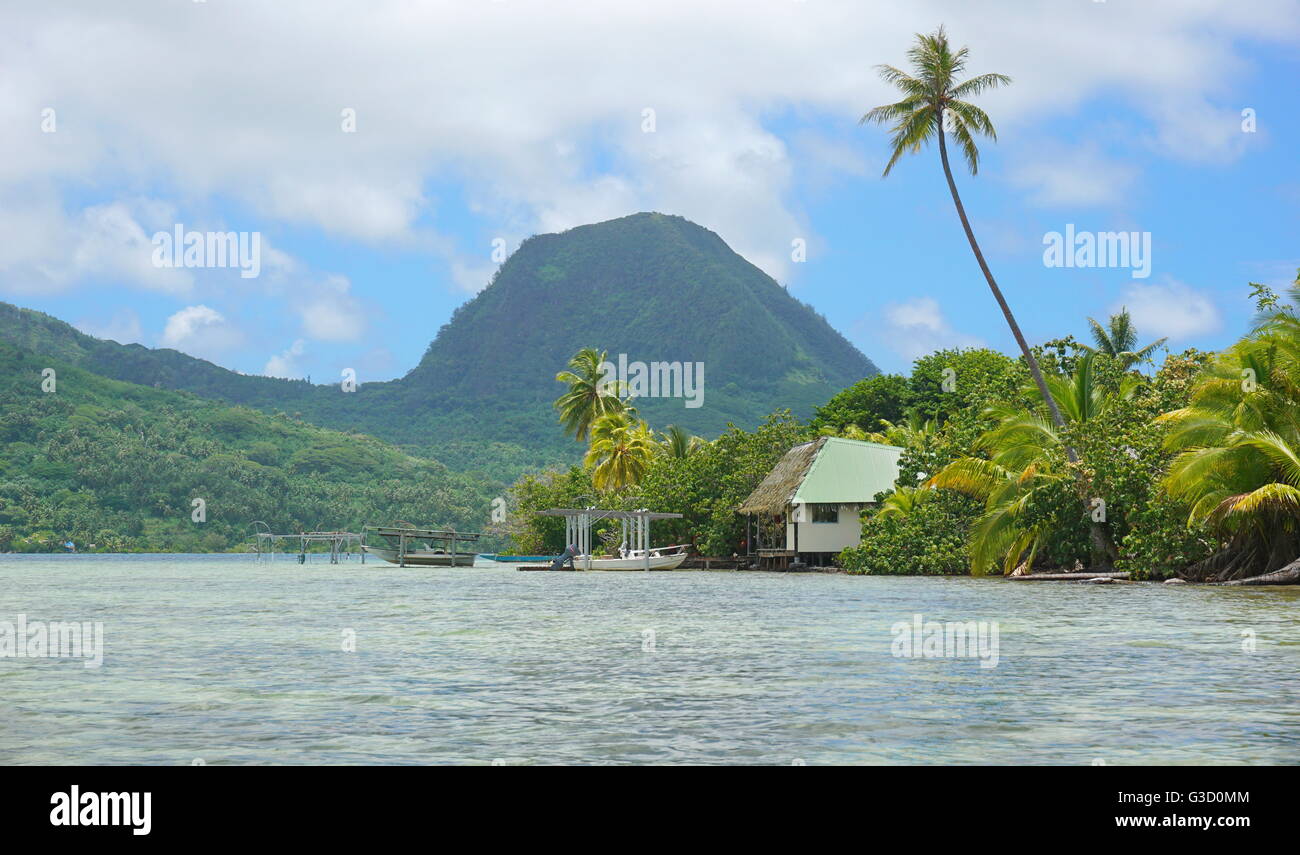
[{"x": 224, "y": 660}]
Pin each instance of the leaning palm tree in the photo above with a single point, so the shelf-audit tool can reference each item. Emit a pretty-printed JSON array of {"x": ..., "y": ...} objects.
[
  {"x": 591, "y": 394},
  {"x": 621, "y": 450},
  {"x": 1119, "y": 338},
  {"x": 932, "y": 108}
]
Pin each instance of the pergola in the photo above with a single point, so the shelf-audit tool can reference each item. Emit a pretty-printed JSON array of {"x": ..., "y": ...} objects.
[{"x": 636, "y": 527}]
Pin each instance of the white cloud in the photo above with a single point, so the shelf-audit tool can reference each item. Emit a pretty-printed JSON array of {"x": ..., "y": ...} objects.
[
  {"x": 1169, "y": 308},
  {"x": 123, "y": 327},
  {"x": 1062, "y": 175},
  {"x": 285, "y": 364},
  {"x": 916, "y": 327},
  {"x": 201, "y": 331},
  {"x": 330, "y": 313},
  {"x": 45, "y": 250},
  {"x": 472, "y": 278},
  {"x": 537, "y": 108}
]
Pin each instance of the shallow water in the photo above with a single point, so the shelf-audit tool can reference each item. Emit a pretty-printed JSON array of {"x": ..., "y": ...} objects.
[{"x": 222, "y": 660}]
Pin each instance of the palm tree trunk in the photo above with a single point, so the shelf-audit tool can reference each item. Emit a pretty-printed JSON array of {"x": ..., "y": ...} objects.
[
  {"x": 1002, "y": 302},
  {"x": 1101, "y": 539},
  {"x": 1288, "y": 575}
]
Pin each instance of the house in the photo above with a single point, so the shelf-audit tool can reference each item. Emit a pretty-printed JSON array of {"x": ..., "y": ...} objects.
[{"x": 808, "y": 506}]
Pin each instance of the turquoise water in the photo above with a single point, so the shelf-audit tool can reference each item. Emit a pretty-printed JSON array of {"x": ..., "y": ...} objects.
[{"x": 225, "y": 661}]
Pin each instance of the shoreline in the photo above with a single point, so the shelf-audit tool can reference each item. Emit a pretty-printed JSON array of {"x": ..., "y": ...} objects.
[{"x": 1101, "y": 577}]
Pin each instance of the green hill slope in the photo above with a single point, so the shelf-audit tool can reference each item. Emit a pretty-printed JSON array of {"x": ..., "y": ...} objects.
[
  {"x": 118, "y": 465},
  {"x": 655, "y": 287},
  {"x": 652, "y": 286}
]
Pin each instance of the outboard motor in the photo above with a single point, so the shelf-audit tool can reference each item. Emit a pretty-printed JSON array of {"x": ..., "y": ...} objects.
[{"x": 565, "y": 557}]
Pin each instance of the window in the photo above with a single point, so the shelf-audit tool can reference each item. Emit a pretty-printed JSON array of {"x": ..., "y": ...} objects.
[{"x": 824, "y": 513}]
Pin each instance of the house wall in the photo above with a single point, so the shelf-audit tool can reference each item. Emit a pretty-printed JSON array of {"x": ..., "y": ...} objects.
[{"x": 825, "y": 537}]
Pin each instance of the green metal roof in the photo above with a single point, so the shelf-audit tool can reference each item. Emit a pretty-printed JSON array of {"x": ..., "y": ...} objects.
[{"x": 849, "y": 471}]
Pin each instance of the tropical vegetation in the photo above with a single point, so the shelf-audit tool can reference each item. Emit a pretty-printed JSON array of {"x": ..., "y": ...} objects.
[{"x": 116, "y": 467}]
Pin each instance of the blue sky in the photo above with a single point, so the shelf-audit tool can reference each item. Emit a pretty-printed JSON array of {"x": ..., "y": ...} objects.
[{"x": 491, "y": 120}]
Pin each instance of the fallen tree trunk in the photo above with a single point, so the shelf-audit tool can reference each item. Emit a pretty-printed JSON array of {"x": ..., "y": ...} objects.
[
  {"x": 1288, "y": 575},
  {"x": 1066, "y": 577}
]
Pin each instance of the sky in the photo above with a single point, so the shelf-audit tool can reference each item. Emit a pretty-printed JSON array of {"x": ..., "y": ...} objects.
[{"x": 386, "y": 155}]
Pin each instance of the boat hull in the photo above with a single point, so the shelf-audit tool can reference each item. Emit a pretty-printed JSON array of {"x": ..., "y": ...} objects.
[
  {"x": 421, "y": 558},
  {"x": 660, "y": 562}
]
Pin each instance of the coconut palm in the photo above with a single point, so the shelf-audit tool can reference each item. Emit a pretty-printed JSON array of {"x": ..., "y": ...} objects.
[
  {"x": 590, "y": 395},
  {"x": 914, "y": 431},
  {"x": 849, "y": 431},
  {"x": 1002, "y": 535},
  {"x": 677, "y": 442},
  {"x": 1238, "y": 465},
  {"x": 904, "y": 501},
  {"x": 933, "y": 107},
  {"x": 622, "y": 447},
  {"x": 1118, "y": 339}
]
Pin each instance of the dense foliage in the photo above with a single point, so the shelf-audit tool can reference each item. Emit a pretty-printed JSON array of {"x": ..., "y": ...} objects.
[
  {"x": 706, "y": 485},
  {"x": 1007, "y": 495}
]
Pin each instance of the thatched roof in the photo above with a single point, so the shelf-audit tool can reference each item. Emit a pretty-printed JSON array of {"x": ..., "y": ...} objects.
[
  {"x": 829, "y": 470},
  {"x": 778, "y": 488}
]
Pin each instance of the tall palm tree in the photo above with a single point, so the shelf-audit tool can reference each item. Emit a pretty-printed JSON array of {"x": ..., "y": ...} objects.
[
  {"x": 590, "y": 396},
  {"x": 932, "y": 108},
  {"x": 621, "y": 450},
  {"x": 1118, "y": 338}
]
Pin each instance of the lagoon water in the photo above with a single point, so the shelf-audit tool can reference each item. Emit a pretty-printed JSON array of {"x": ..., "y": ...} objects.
[{"x": 222, "y": 660}]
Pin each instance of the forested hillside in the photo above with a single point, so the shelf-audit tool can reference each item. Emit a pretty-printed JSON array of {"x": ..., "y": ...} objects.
[{"x": 118, "y": 465}]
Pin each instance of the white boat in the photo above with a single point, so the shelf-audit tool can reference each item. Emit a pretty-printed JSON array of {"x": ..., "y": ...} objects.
[
  {"x": 663, "y": 558},
  {"x": 422, "y": 557}
]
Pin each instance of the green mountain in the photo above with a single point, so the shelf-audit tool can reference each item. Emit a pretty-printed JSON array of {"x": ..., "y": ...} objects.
[
  {"x": 119, "y": 465},
  {"x": 651, "y": 286}
]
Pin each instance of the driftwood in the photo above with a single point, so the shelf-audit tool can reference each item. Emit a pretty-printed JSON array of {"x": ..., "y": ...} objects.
[
  {"x": 1288, "y": 575},
  {"x": 1068, "y": 577}
]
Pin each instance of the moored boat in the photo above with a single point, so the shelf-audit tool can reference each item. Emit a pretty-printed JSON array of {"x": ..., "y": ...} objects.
[
  {"x": 664, "y": 558},
  {"x": 422, "y": 557},
  {"x": 421, "y": 547}
]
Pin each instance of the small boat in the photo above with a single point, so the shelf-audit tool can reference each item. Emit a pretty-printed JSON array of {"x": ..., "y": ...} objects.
[
  {"x": 663, "y": 558},
  {"x": 422, "y": 557},
  {"x": 514, "y": 559},
  {"x": 420, "y": 547}
]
